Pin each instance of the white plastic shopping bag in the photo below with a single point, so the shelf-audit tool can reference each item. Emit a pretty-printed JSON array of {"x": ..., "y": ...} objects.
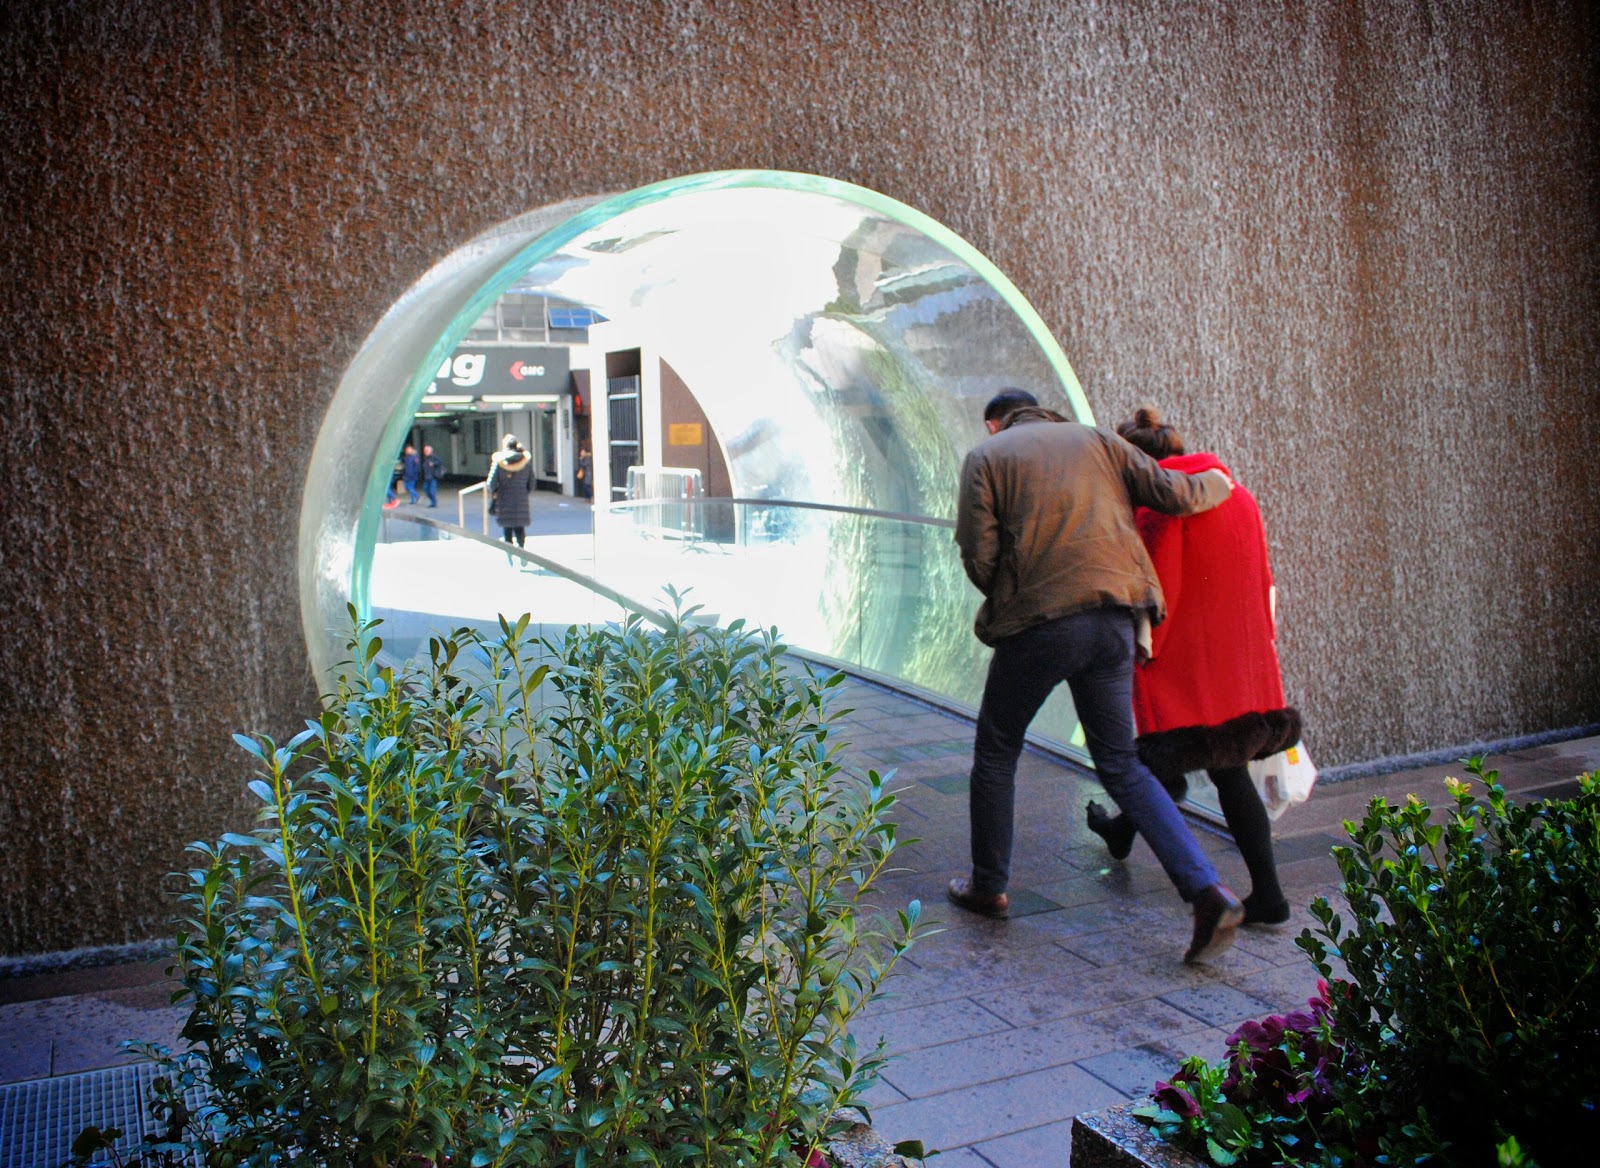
[{"x": 1284, "y": 779}]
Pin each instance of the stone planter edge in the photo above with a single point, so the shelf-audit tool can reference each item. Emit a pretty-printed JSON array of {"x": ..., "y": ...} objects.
[
  {"x": 859, "y": 1146},
  {"x": 1112, "y": 1138}
]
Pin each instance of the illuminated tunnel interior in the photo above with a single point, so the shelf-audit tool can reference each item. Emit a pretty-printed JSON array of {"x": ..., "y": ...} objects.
[{"x": 840, "y": 347}]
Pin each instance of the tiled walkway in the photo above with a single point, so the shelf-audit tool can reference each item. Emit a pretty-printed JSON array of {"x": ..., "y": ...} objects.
[
  {"x": 1000, "y": 1032},
  {"x": 1003, "y": 1031}
]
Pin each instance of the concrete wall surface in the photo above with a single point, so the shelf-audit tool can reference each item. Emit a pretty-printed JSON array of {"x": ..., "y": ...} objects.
[{"x": 1351, "y": 247}]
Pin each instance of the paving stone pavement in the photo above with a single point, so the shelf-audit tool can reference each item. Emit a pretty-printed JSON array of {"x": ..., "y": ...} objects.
[{"x": 999, "y": 1032}]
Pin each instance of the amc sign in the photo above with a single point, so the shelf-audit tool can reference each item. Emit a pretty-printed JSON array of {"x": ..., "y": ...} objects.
[{"x": 504, "y": 370}]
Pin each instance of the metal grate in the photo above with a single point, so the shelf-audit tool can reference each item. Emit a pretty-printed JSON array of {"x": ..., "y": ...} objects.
[{"x": 40, "y": 1118}]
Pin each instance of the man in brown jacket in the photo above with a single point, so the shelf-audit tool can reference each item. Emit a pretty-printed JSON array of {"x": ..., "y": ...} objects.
[{"x": 1046, "y": 531}]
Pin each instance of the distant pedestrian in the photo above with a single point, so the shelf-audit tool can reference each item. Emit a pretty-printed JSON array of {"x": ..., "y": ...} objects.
[
  {"x": 1044, "y": 521},
  {"x": 510, "y": 484},
  {"x": 1210, "y": 696},
  {"x": 410, "y": 470},
  {"x": 585, "y": 472},
  {"x": 432, "y": 468}
]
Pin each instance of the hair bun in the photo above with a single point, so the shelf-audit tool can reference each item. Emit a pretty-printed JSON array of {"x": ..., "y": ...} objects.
[{"x": 1147, "y": 418}]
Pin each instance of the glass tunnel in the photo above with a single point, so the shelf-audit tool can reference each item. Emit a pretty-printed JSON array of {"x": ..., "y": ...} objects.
[{"x": 840, "y": 348}]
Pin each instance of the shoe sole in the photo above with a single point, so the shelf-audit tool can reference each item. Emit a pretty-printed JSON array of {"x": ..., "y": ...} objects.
[{"x": 1222, "y": 939}]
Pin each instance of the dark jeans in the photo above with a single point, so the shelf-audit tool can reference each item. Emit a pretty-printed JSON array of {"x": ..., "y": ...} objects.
[
  {"x": 1093, "y": 653},
  {"x": 430, "y": 487},
  {"x": 411, "y": 489},
  {"x": 516, "y": 535}
]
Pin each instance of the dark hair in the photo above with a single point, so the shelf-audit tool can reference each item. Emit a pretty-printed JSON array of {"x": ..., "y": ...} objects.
[
  {"x": 511, "y": 443},
  {"x": 1150, "y": 434},
  {"x": 1007, "y": 402}
]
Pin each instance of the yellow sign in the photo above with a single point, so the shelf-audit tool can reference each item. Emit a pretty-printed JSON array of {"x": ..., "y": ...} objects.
[{"x": 685, "y": 434}]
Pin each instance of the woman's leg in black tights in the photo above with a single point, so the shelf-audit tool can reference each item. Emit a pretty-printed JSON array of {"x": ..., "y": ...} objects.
[{"x": 1252, "y": 831}]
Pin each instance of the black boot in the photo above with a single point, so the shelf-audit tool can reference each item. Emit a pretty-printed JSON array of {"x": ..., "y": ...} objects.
[
  {"x": 1258, "y": 912},
  {"x": 1118, "y": 833}
]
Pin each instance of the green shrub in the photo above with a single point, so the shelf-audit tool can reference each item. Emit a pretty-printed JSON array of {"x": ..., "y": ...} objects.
[
  {"x": 1472, "y": 964},
  {"x": 1465, "y": 1027},
  {"x": 606, "y": 910}
]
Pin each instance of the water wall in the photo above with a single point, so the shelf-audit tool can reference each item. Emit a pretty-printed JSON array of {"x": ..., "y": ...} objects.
[{"x": 1349, "y": 247}]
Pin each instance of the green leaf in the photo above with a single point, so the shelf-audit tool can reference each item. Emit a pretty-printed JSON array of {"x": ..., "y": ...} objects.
[{"x": 92, "y": 1140}]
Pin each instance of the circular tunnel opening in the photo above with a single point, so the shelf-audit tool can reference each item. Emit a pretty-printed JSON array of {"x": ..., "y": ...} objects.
[{"x": 831, "y": 350}]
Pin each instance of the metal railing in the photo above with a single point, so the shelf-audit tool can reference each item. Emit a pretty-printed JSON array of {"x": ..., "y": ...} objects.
[
  {"x": 461, "y": 504},
  {"x": 663, "y": 499},
  {"x": 896, "y": 609}
]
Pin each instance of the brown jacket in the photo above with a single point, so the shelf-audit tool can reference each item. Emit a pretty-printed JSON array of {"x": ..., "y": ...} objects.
[{"x": 1045, "y": 521}]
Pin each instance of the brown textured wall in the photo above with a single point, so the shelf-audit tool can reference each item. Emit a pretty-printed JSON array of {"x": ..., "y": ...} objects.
[
  {"x": 1351, "y": 247},
  {"x": 680, "y": 406}
]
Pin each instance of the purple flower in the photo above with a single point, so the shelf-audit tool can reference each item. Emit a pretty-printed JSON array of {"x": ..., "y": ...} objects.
[{"x": 1175, "y": 1099}]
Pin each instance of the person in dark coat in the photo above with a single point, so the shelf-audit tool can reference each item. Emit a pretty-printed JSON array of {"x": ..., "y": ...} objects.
[
  {"x": 510, "y": 484},
  {"x": 585, "y": 472},
  {"x": 432, "y": 468},
  {"x": 410, "y": 469},
  {"x": 1210, "y": 696}
]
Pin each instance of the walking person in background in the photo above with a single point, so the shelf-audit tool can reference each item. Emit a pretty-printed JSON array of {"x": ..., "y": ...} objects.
[
  {"x": 510, "y": 484},
  {"x": 431, "y": 467},
  {"x": 1045, "y": 526},
  {"x": 585, "y": 471},
  {"x": 390, "y": 499},
  {"x": 410, "y": 468},
  {"x": 1210, "y": 696}
]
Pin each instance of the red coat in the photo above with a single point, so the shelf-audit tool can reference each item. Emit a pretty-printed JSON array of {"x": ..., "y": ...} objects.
[{"x": 1214, "y": 667}]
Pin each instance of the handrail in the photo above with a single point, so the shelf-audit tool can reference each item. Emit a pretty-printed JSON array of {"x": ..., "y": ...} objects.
[
  {"x": 900, "y": 516},
  {"x": 1058, "y": 748},
  {"x": 461, "y": 504},
  {"x": 464, "y": 532}
]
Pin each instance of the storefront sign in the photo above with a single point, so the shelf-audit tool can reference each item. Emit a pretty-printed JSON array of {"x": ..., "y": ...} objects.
[{"x": 504, "y": 370}]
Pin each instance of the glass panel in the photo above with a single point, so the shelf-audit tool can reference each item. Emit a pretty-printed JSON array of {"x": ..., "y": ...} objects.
[
  {"x": 800, "y": 570},
  {"x": 842, "y": 346},
  {"x": 544, "y": 437},
  {"x": 428, "y": 578},
  {"x": 842, "y": 350}
]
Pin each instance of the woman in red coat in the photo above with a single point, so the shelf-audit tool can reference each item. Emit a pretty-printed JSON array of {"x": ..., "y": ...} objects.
[{"x": 1210, "y": 697}]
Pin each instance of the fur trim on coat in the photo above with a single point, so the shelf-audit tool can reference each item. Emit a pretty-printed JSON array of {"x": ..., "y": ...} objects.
[{"x": 1171, "y": 753}]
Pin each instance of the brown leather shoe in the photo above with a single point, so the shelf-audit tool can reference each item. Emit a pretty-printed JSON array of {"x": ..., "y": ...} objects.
[
  {"x": 1217, "y": 915},
  {"x": 997, "y": 907}
]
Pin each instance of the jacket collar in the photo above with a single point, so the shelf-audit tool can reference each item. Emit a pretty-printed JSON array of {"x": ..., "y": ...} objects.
[
  {"x": 1194, "y": 463},
  {"x": 1027, "y": 414}
]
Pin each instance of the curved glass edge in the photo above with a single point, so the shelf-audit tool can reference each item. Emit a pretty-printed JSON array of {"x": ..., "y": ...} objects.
[
  {"x": 353, "y": 455},
  {"x": 846, "y": 192},
  {"x": 365, "y": 420}
]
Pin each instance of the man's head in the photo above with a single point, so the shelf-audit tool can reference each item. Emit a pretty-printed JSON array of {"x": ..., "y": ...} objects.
[
  {"x": 1002, "y": 405},
  {"x": 427, "y": 450}
]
